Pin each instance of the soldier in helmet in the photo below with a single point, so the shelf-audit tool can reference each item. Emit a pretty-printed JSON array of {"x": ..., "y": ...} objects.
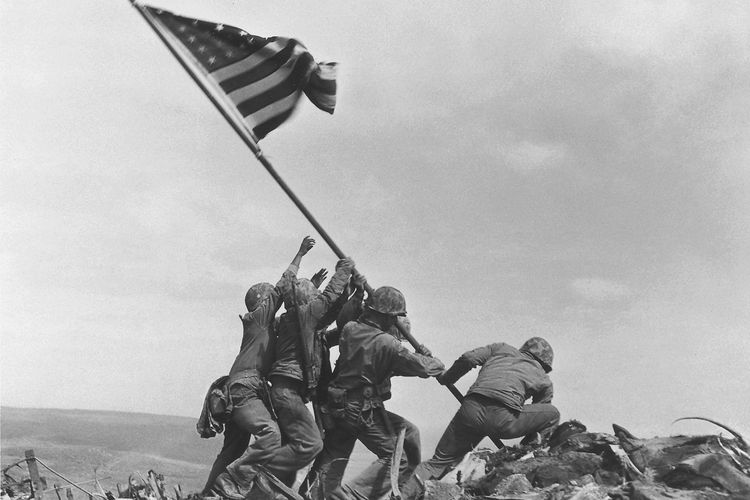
[
  {"x": 296, "y": 369},
  {"x": 232, "y": 473},
  {"x": 368, "y": 358},
  {"x": 494, "y": 405}
]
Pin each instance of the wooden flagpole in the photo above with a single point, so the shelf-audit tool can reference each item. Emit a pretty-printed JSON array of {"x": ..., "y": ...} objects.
[{"x": 189, "y": 65}]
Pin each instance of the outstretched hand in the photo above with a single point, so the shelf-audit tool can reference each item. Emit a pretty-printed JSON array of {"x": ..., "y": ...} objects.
[
  {"x": 307, "y": 243},
  {"x": 319, "y": 277}
]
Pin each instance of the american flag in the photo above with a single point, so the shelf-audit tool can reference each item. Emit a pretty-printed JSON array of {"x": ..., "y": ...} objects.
[{"x": 262, "y": 78}]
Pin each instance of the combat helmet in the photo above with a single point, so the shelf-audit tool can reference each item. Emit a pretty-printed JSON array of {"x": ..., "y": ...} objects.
[
  {"x": 387, "y": 300},
  {"x": 540, "y": 350},
  {"x": 257, "y": 294}
]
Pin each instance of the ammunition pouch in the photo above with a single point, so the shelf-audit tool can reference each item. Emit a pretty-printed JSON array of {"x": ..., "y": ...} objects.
[
  {"x": 337, "y": 397},
  {"x": 336, "y": 405}
]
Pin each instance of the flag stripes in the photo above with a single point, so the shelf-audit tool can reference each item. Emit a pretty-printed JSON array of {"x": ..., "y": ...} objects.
[
  {"x": 292, "y": 79},
  {"x": 262, "y": 78},
  {"x": 268, "y": 62}
]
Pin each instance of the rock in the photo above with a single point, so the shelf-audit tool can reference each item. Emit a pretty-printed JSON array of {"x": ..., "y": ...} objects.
[
  {"x": 709, "y": 469},
  {"x": 566, "y": 468},
  {"x": 584, "y": 480},
  {"x": 661, "y": 454},
  {"x": 591, "y": 491},
  {"x": 591, "y": 442},
  {"x": 607, "y": 478},
  {"x": 436, "y": 490},
  {"x": 471, "y": 468},
  {"x": 564, "y": 431},
  {"x": 513, "y": 484},
  {"x": 638, "y": 490}
]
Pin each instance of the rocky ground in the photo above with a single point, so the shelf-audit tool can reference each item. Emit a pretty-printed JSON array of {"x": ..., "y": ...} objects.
[
  {"x": 581, "y": 465},
  {"x": 576, "y": 465}
]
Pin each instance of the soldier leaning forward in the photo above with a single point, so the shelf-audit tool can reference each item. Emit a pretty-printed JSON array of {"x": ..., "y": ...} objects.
[
  {"x": 368, "y": 357},
  {"x": 247, "y": 412},
  {"x": 296, "y": 370},
  {"x": 495, "y": 404}
]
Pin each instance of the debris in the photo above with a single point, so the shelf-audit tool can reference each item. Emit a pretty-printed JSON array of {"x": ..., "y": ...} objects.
[
  {"x": 578, "y": 465},
  {"x": 471, "y": 468},
  {"x": 590, "y": 491},
  {"x": 436, "y": 490},
  {"x": 582, "y": 465},
  {"x": 513, "y": 485}
]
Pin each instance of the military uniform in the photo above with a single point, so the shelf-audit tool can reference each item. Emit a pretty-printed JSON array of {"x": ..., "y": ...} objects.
[
  {"x": 368, "y": 357},
  {"x": 247, "y": 388},
  {"x": 494, "y": 405},
  {"x": 295, "y": 373}
]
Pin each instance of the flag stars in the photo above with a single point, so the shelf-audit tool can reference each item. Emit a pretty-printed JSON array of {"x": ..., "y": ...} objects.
[
  {"x": 229, "y": 53},
  {"x": 212, "y": 60},
  {"x": 202, "y": 49},
  {"x": 219, "y": 27},
  {"x": 191, "y": 39}
]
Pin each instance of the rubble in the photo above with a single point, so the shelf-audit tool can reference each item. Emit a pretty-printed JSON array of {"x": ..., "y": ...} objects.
[
  {"x": 581, "y": 465},
  {"x": 577, "y": 465}
]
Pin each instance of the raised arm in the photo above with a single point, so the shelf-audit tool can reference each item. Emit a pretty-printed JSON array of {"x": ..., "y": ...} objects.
[
  {"x": 307, "y": 243},
  {"x": 290, "y": 275},
  {"x": 336, "y": 285}
]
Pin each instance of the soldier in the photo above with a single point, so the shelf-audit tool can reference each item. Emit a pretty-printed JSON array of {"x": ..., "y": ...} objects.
[
  {"x": 494, "y": 405},
  {"x": 368, "y": 358},
  {"x": 232, "y": 473},
  {"x": 295, "y": 372}
]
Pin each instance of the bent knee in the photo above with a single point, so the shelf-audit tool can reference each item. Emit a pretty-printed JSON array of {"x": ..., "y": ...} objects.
[
  {"x": 316, "y": 448},
  {"x": 554, "y": 414},
  {"x": 306, "y": 452}
]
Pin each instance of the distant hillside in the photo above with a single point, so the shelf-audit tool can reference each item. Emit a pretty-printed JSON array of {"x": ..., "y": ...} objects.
[
  {"x": 117, "y": 444},
  {"x": 75, "y": 442}
]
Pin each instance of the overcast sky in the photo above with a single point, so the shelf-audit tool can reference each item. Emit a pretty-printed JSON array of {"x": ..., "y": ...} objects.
[{"x": 574, "y": 170}]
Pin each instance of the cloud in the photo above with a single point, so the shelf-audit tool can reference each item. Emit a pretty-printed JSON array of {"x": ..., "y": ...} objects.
[
  {"x": 526, "y": 156},
  {"x": 600, "y": 290},
  {"x": 667, "y": 31}
]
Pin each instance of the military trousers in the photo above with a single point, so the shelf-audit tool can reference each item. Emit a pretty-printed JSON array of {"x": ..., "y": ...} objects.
[
  {"x": 300, "y": 437},
  {"x": 372, "y": 431},
  {"x": 479, "y": 417},
  {"x": 250, "y": 417}
]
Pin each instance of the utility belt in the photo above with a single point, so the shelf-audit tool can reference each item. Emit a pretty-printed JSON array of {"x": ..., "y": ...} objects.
[
  {"x": 220, "y": 400},
  {"x": 358, "y": 403},
  {"x": 366, "y": 394}
]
